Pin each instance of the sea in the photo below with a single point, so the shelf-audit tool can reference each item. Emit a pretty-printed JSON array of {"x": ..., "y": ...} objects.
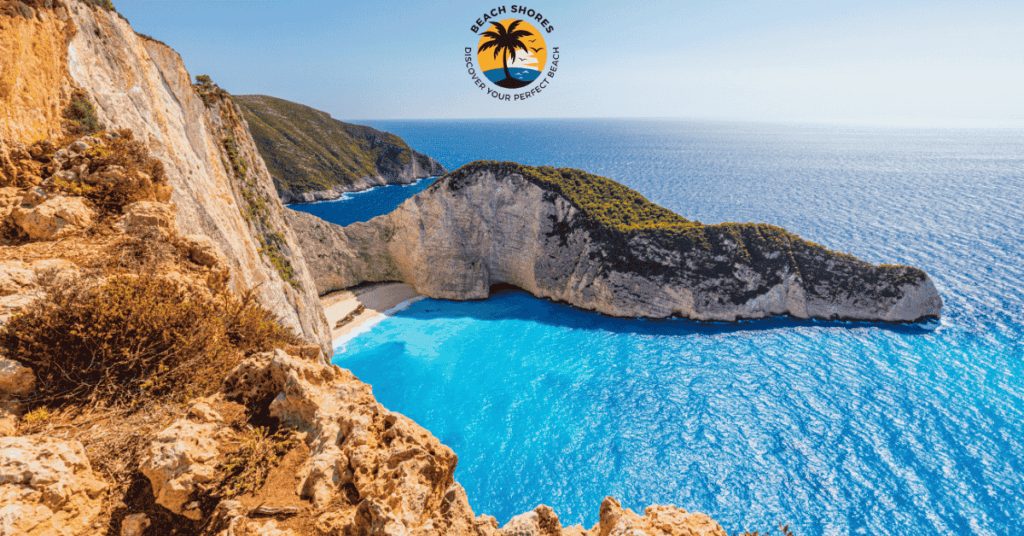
[{"x": 833, "y": 428}]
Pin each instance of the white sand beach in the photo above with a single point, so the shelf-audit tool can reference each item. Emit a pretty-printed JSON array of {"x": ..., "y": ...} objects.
[{"x": 376, "y": 298}]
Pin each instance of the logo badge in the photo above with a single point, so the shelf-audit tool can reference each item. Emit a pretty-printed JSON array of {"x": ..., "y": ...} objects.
[{"x": 511, "y": 59}]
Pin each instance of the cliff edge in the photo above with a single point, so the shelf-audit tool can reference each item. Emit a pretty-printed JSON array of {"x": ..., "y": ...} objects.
[
  {"x": 314, "y": 157},
  {"x": 571, "y": 236},
  {"x": 222, "y": 189}
]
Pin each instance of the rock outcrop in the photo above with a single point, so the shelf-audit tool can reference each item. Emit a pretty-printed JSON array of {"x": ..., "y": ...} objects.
[
  {"x": 314, "y": 157},
  {"x": 369, "y": 470},
  {"x": 47, "y": 487},
  {"x": 586, "y": 240}
]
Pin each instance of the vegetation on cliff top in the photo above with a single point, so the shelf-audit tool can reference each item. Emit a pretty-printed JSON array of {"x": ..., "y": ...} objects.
[
  {"x": 105, "y": 4},
  {"x": 307, "y": 150},
  {"x": 618, "y": 216}
]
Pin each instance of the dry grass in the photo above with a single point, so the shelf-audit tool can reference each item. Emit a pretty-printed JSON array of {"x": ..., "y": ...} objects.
[
  {"x": 246, "y": 469},
  {"x": 133, "y": 337}
]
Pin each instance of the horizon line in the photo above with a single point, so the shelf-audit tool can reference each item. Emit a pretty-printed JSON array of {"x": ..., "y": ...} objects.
[{"x": 845, "y": 123}]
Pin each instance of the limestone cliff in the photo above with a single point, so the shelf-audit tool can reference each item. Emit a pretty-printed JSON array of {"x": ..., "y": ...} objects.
[
  {"x": 221, "y": 187},
  {"x": 314, "y": 157},
  {"x": 574, "y": 237}
]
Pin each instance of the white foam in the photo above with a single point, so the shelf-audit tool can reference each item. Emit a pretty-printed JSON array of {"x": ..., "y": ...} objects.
[{"x": 365, "y": 327}]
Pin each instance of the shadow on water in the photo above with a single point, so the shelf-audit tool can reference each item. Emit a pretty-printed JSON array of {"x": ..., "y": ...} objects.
[{"x": 560, "y": 314}]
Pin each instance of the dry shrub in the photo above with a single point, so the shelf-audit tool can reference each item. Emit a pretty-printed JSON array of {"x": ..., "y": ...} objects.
[
  {"x": 142, "y": 178},
  {"x": 136, "y": 336},
  {"x": 80, "y": 115},
  {"x": 246, "y": 469}
]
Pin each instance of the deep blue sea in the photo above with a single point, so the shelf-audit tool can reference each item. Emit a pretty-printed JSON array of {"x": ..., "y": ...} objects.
[{"x": 834, "y": 428}]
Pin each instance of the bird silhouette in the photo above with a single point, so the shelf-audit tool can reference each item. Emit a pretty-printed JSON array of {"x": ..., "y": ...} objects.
[
  {"x": 532, "y": 41},
  {"x": 537, "y": 49}
]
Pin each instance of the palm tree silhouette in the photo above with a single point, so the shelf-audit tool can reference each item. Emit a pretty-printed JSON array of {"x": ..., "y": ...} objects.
[{"x": 505, "y": 42}]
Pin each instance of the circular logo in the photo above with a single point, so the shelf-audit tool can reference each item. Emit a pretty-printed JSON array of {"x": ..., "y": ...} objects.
[{"x": 512, "y": 53}]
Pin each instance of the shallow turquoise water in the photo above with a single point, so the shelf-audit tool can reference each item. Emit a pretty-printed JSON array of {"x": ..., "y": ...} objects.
[{"x": 835, "y": 428}]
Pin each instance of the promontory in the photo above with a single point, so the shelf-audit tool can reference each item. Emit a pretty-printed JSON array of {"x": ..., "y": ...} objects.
[
  {"x": 574, "y": 237},
  {"x": 314, "y": 157}
]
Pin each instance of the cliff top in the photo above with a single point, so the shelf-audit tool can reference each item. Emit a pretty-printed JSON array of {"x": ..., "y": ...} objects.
[{"x": 617, "y": 214}]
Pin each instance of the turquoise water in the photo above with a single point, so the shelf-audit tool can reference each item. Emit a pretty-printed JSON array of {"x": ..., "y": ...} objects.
[{"x": 835, "y": 428}]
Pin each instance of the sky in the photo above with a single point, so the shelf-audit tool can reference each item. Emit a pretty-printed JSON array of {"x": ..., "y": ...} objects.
[{"x": 889, "y": 63}]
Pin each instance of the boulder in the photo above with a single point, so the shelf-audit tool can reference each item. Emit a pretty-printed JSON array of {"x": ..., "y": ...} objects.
[
  {"x": 47, "y": 487},
  {"x": 657, "y": 520},
  {"x": 149, "y": 216},
  {"x": 541, "y": 521},
  {"x": 134, "y": 525},
  {"x": 183, "y": 458},
  {"x": 10, "y": 414},
  {"x": 15, "y": 379},
  {"x": 268, "y": 528},
  {"x": 203, "y": 251},
  {"x": 54, "y": 218}
]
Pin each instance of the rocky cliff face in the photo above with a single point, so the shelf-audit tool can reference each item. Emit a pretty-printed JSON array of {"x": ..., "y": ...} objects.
[
  {"x": 314, "y": 157},
  {"x": 535, "y": 228},
  {"x": 363, "y": 469},
  {"x": 221, "y": 187}
]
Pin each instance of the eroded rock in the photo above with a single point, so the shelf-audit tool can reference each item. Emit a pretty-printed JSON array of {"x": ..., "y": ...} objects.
[
  {"x": 203, "y": 251},
  {"x": 54, "y": 218},
  {"x": 135, "y": 524},
  {"x": 15, "y": 378},
  {"x": 47, "y": 487},
  {"x": 183, "y": 458},
  {"x": 149, "y": 217}
]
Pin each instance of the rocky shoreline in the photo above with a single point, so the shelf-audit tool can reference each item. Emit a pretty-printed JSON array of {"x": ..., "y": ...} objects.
[
  {"x": 362, "y": 185},
  {"x": 490, "y": 223}
]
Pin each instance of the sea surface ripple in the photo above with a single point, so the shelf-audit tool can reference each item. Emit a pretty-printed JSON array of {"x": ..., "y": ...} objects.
[{"x": 832, "y": 427}]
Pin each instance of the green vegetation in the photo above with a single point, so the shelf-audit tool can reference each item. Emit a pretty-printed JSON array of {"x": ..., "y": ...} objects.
[
  {"x": 208, "y": 91},
  {"x": 135, "y": 336},
  {"x": 306, "y": 150},
  {"x": 80, "y": 115},
  {"x": 256, "y": 211},
  {"x": 634, "y": 235}
]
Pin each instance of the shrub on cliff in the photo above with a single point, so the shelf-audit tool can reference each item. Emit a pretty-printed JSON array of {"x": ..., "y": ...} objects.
[
  {"x": 80, "y": 115},
  {"x": 117, "y": 172},
  {"x": 134, "y": 336},
  {"x": 140, "y": 178},
  {"x": 105, "y": 4},
  {"x": 207, "y": 90}
]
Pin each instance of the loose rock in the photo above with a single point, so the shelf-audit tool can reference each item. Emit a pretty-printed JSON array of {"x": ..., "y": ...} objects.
[{"x": 54, "y": 218}]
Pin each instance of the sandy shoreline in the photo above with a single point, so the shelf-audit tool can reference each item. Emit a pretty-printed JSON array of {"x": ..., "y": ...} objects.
[{"x": 376, "y": 298}]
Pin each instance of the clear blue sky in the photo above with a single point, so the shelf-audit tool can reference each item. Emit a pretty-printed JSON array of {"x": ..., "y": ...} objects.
[{"x": 895, "y": 62}]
